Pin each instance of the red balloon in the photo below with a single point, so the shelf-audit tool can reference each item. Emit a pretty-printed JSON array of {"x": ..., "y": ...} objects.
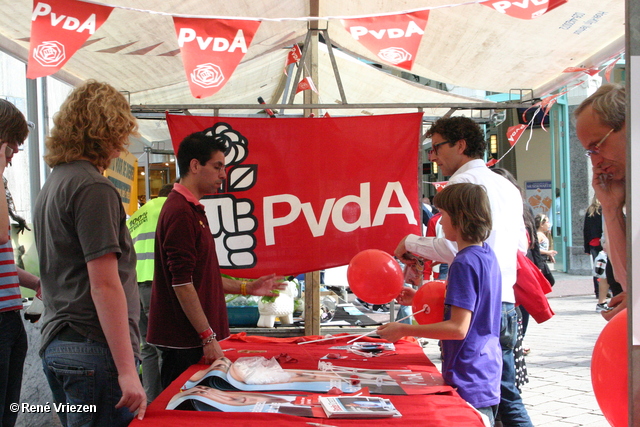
[
  {"x": 429, "y": 296},
  {"x": 609, "y": 368},
  {"x": 375, "y": 276}
]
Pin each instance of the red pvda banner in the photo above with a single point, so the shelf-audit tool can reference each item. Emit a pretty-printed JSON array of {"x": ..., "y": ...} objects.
[
  {"x": 58, "y": 29},
  {"x": 394, "y": 39},
  {"x": 211, "y": 50},
  {"x": 306, "y": 194}
]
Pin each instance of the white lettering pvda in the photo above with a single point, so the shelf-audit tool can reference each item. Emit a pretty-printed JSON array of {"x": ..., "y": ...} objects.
[{"x": 335, "y": 209}]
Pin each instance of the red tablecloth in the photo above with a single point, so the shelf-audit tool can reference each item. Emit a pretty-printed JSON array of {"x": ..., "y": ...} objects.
[{"x": 433, "y": 410}]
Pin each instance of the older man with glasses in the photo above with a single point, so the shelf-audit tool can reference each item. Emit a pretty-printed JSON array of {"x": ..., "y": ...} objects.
[{"x": 600, "y": 127}]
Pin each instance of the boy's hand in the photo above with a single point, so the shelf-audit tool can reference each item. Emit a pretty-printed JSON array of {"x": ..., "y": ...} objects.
[{"x": 392, "y": 332}]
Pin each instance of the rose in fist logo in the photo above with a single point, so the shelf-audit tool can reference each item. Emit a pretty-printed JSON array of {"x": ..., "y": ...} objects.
[
  {"x": 207, "y": 75},
  {"x": 49, "y": 54},
  {"x": 394, "y": 55}
]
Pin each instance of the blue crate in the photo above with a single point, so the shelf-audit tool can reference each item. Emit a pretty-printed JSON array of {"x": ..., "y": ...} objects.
[{"x": 243, "y": 316}]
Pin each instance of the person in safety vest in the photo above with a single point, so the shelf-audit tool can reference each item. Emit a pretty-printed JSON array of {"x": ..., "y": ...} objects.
[{"x": 142, "y": 226}]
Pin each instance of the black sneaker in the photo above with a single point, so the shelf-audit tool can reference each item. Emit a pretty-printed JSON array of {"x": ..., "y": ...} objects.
[
  {"x": 381, "y": 308},
  {"x": 364, "y": 304}
]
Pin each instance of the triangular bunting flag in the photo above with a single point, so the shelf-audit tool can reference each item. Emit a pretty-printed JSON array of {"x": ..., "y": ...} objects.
[
  {"x": 609, "y": 69},
  {"x": 591, "y": 71},
  {"x": 440, "y": 185},
  {"x": 394, "y": 39},
  {"x": 58, "y": 29},
  {"x": 294, "y": 55},
  {"x": 514, "y": 133},
  {"x": 525, "y": 9},
  {"x": 211, "y": 50},
  {"x": 306, "y": 84}
]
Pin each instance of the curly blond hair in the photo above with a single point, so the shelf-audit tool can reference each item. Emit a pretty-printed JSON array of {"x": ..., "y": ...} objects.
[{"x": 93, "y": 122}]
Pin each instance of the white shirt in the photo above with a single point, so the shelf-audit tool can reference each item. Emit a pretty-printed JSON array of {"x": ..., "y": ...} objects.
[{"x": 507, "y": 236}]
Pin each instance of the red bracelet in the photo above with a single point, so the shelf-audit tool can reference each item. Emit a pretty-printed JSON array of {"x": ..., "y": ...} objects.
[{"x": 206, "y": 333}]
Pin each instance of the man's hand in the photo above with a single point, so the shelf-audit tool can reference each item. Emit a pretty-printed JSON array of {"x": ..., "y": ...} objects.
[
  {"x": 402, "y": 254},
  {"x": 406, "y": 296},
  {"x": 619, "y": 303},
  {"x": 265, "y": 285},
  {"x": 610, "y": 192},
  {"x": 133, "y": 395},
  {"x": 212, "y": 352}
]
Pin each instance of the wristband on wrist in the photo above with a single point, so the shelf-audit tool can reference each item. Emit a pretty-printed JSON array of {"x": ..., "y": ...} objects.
[
  {"x": 206, "y": 333},
  {"x": 208, "y": 341},
  {"x": 243, "y": 288}
]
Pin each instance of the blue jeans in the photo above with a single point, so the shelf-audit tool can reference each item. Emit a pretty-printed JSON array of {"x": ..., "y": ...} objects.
[
  {"x": 84, "y": 373},
  {"x": 511, "y": 410},
  {"x": 443, "y": 272},
  {"x": 13, "y": 350},
  {"x": 490, "y": 412},
  {"x": 404, "y": 311}
]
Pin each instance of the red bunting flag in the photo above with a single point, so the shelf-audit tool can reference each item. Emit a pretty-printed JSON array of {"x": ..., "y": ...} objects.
[
  {"x": 491, "y": 162},
  {"x": 609, "y": 69},
  {"x": 211, "y": 50},
  {"x": 525, "y": 9},
  {"x": 394, "y": 39},
  {"x": 440, "y": 185},
  {"x": 306, "y": 84},
  {"x": 514, "y": 133},
  {"x": 294, "y": 55},
  {"x": 58, "y": 29},
  {"x": 591, "y": 71}
]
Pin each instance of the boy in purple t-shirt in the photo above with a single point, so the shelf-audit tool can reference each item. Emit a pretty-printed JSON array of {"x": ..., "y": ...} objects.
[{"x": 470, "y": 331}]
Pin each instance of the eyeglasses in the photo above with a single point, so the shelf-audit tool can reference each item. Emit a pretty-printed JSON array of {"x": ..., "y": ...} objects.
[
  {"x": 434, "y": 147},
  {"x": 596, "y": 148}
]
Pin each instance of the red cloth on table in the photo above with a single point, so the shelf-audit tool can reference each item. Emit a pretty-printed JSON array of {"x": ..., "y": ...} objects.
[{"x": 434, "y": 410}]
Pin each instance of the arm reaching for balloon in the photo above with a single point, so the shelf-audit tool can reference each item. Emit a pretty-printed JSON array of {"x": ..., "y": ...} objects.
[
  {"x": 455, "y": 328},
  {"x": 434, "y": 248}
]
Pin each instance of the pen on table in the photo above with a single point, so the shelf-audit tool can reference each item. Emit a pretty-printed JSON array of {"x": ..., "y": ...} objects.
[{"x": 320, "y": 425}]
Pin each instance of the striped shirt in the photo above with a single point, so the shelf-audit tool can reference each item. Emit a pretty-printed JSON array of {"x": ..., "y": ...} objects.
[{"x": 10, "y": 297}]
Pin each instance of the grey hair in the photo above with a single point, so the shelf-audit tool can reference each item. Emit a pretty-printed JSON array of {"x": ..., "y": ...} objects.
[{"x": 609, "y": 103}]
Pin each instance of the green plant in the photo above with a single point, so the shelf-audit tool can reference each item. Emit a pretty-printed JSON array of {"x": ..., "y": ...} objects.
[{"x": 267, "y": 299}]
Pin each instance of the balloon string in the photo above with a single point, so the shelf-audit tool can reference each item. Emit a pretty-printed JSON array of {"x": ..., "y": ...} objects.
[{"x": 399, "y": 320}]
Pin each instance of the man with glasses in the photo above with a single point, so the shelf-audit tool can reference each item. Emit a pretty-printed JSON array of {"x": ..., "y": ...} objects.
[
  {"x": 458, "y": 149},
  {"x": 600, "y": 127}
]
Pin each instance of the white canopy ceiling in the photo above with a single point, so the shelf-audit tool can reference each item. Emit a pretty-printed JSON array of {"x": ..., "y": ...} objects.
[{"x": 465, "y": 44}]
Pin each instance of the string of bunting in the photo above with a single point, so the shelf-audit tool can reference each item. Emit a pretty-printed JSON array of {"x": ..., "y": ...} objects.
[
  {"x": 213, "y": 46},
  {"x": 544, "y": 105}
]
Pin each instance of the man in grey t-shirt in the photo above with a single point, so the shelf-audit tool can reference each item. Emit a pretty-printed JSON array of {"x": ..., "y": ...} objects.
[{"x": 87, "y": 264}]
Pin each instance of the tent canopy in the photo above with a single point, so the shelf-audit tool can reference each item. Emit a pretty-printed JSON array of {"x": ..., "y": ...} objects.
[{"x": 467, "y": 44}]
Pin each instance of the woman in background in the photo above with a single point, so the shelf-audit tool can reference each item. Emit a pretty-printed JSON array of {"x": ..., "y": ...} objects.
[{"x": 543, "y": 227}]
